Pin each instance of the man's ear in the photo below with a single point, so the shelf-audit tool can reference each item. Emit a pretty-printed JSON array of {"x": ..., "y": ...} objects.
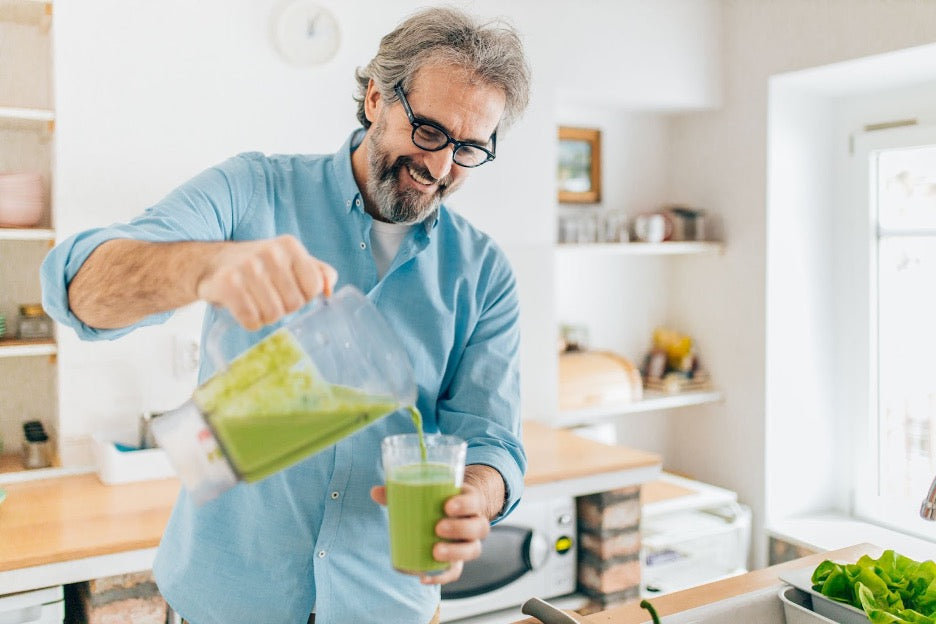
[{"x": 372, "y": 101}]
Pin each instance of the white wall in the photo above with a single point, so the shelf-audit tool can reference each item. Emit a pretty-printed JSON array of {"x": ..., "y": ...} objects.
[
  {"x": 148, "y": 94},
  {"x": 720, "y": 163},
  {"x": 801, "y": 366}
]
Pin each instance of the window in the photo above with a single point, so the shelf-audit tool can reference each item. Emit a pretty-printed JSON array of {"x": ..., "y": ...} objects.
[{"x": 898, "y": 460}]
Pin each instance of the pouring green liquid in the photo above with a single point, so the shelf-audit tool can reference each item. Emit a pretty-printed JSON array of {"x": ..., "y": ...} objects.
[
  {"x": 417, "y": 422},
  {"x": 271, "y": 408}
]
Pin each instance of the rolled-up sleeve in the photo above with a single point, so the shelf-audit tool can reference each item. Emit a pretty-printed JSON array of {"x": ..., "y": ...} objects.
[
  {"x": 206, "y": 208},
  {"x": 482, "y": 402}
]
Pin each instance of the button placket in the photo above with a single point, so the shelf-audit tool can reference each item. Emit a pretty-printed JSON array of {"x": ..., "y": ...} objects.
[{"x": 331, "y": 520}]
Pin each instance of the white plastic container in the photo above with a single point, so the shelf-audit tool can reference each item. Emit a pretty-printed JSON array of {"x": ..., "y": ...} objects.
[
  {"x": 688, "y": 548},
  {"x": 115, "y": 466},
  {"x": 39, "y": 606}
]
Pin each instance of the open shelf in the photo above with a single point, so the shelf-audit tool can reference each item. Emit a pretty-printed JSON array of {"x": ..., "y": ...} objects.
[
  {"x": 27, "y": 234},
  {"x": 12, "y": 469},
  {"x": 641, "y": 249},
  {"x": 652, "y": 401},
  {"x": 21, "y": 348},
  {"x": 26, "y": 118}
]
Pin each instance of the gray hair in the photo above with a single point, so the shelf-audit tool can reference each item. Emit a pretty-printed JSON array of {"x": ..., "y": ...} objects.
[{"x": 491, "y": 52}]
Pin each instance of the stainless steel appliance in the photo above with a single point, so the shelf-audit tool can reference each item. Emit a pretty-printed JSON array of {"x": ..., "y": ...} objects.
[{"x": 531, "y": 553}]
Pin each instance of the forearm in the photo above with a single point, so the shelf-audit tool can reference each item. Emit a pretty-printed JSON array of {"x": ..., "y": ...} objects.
[
  {"x": 124, "y": 280},
  {"x": 491, "y": 485}
]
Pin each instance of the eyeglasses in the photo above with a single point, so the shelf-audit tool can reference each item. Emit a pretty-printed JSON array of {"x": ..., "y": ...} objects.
[{"x": 432, "y": 137}]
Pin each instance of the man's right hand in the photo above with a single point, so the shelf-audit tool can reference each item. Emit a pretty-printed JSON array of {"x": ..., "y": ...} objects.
[{"x": 261, "y": 281}]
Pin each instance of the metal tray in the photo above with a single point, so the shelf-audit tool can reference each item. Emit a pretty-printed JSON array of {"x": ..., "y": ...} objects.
[
  {"x": 837, "y": 612},
  {"x": 797, "y": 607}
]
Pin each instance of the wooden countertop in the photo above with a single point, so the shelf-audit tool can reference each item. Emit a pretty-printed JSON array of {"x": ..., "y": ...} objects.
[
  {"x": 557, "y": 454},
  {"x": 53, "y": 520},
  {"x": 631, "y": 613},
  {"x": 67, "y": 518}
]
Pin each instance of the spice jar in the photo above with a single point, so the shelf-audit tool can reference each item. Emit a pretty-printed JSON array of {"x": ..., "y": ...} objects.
[{"x": 33, "y": 322}]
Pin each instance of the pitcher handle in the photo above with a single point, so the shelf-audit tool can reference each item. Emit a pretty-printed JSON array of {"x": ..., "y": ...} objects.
[{"x": 223, "y": 323}]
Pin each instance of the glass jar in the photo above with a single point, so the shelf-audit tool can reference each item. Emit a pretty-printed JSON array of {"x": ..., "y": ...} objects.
[{"x": 33, "y": 323}]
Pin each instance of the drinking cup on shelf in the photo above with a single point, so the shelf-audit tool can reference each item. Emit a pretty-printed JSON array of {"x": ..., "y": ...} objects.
[{"x": 652, "y": 227}]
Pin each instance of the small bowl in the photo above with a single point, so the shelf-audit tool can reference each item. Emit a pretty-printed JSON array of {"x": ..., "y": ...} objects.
[{"x": 21, "y": 199}]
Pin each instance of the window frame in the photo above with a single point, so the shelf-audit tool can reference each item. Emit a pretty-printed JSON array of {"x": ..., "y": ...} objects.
[{"x": 867, "y": 503}]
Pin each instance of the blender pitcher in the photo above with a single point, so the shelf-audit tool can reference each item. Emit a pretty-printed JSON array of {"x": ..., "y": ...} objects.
[{"x": 304, "y": 384}]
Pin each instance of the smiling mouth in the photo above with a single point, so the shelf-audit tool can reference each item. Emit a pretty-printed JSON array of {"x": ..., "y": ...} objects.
[{"x": 418, "y": 177}]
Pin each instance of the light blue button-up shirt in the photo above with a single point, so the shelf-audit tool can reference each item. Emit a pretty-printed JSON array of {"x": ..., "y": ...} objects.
[{"x": 310, "y": 537}]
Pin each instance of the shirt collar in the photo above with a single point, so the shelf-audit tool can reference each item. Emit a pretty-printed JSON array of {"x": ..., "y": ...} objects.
[
  {"x": 341, "y": 164},
  {"x": 349, "y": 189}
]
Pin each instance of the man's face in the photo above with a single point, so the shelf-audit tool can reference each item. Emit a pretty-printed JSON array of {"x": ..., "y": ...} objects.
[{"x": 406, "y": 183}]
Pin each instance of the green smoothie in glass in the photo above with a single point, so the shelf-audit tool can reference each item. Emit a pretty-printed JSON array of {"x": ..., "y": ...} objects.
[{"x": 422, "y": 472}]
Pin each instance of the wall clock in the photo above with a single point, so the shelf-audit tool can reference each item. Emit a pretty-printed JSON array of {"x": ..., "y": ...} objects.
[{"x": 305, "y": 33}]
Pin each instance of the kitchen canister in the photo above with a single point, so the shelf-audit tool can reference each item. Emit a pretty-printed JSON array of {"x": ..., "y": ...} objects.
[
  {"x": 33, "y": 323},
  {"x": 21, "y": 199}
]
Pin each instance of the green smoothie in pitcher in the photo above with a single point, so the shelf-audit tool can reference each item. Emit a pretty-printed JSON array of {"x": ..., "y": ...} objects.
[{"x": 270, "y": 408}]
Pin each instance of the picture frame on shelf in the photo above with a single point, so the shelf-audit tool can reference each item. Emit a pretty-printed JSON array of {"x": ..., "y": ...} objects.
[{"x": 578, "y": 173}]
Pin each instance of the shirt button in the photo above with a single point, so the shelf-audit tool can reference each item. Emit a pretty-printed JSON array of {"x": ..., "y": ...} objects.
[
  {"x": 348, "y": 203},
  {"x": 357, "y": 202},
  {"x": 321, "y": 554},
  {"x": 363, "y": 245},
  {"x": 334, "y": 495}
]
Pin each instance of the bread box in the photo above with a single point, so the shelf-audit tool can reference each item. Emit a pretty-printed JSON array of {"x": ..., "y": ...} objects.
[{"x": 595, "y": 378}]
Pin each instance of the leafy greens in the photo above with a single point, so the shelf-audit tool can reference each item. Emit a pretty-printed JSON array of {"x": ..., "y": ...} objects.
[{"x": 892, "y": 589}]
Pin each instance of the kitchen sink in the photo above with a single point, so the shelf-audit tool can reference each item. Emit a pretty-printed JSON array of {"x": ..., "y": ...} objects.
[{"x": 762, "y": 606}]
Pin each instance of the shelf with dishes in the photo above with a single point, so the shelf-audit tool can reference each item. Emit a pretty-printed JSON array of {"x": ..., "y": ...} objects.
[
  {"x": 597, "y": 386},
  {"x": 665, "y": 248}
]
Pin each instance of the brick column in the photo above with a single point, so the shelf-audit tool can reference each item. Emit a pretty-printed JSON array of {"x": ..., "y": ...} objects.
[
  {"x": 124, "y": 598},
  {"x": 609, "y": 546}
]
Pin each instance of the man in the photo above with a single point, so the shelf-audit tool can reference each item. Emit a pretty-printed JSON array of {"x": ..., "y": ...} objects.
[{"x": 262, "y": 235}]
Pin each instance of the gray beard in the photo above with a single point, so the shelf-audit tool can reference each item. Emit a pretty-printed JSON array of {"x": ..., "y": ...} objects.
[{"x": 393, "y": 204}]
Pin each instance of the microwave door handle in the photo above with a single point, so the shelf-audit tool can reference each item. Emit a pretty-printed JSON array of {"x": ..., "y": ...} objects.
[{"x": 536, "y": 550}]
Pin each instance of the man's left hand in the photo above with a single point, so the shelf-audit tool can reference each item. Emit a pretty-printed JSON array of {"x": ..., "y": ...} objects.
[{"x": 463, "y": 527}]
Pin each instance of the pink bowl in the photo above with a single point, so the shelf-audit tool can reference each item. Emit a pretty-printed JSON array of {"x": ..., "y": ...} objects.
[{"x": 21, "y": 201}]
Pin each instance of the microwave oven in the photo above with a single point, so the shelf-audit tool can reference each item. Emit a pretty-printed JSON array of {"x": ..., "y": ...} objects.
[{"x": 530, "y": 553}]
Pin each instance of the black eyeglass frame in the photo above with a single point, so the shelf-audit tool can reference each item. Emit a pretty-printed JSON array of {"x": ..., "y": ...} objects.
[{"x": 417, "y": 122}]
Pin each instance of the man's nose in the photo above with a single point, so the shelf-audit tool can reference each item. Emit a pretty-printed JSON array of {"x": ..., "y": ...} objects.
[{"x": 439, "y": 163}]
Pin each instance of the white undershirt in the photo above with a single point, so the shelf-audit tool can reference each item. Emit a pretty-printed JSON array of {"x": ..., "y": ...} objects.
[{"x": 385, "y": 242}]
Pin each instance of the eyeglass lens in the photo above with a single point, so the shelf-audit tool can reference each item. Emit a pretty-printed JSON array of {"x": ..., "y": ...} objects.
[{"x": 431, "y": 138}]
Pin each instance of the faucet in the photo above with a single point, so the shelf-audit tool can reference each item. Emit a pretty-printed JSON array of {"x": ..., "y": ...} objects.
[{"x": 928, "y": 508}]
